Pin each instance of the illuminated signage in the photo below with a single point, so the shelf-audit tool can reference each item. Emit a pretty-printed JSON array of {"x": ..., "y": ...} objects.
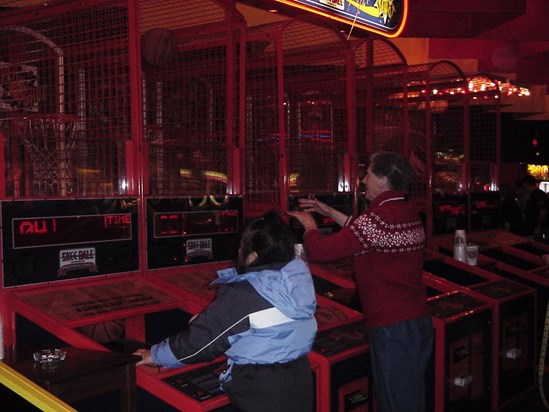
[
  {"x": 173, "y": 224},
  {"x": 385, "y": 17},
  {"x": 540, "y": 172},
  {"x": 66, "y": 230}
]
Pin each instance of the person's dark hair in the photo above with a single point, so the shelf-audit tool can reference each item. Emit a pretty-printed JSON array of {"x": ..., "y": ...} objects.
[
  {"x": 395, "y": 167},
  {"x": 268, "y": 236}
]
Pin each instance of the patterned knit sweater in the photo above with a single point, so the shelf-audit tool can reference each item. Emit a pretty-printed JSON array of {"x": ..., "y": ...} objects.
[{"x": 387, "y": 242}]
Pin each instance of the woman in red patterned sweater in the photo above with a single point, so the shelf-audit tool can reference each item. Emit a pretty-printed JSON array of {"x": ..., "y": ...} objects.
[{"x": 387, "y": 242}]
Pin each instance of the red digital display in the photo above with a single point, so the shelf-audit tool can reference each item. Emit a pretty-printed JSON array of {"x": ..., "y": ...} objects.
[
  {"x": 484, "y": 204},
  {"x": 327, "y": 220},
  {"x": 173, "y": 224},
  {"x": 450, "y": 209},
  {"x": 68, "y": 230}
]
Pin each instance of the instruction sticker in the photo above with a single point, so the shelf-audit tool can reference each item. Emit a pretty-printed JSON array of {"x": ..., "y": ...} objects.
[
  {"x": 77, "y": 259},
  {"x": 199, "y": 248}
]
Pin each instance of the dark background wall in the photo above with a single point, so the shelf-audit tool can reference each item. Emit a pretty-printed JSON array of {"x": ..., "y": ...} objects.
[{"x": 517, "y": 140}]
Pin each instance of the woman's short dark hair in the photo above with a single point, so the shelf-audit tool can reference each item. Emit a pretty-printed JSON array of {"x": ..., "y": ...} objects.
[
  {"x": 394, "y": 167},
  {"x": 268, "y": 236}
]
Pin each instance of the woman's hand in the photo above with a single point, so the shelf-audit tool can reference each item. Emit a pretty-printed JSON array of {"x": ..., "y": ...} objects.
[
  {"x": 305, "y": 218},
  {"x": 315, "y": 205}
]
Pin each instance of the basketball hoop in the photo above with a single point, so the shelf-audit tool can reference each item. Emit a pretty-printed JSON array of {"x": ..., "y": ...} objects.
[{"x": 49, "y": 140}]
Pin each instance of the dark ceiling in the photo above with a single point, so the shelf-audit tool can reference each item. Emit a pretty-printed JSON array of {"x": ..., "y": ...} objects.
[{"x": 508, "y": 37}]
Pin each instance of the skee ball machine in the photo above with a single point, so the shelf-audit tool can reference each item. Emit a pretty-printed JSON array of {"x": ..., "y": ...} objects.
[
  {"x": 98, "y": 129},
  {"x": 300, "y": 143},
  {"x": 341, "y": 343},
  {"x": 60, "y": 262},
  {"x": 189, "y": 239},
  {"x": 461, "y": 370},
  {"x": 511, "y": 257},
  {"x": 72, "y": 221},
  {"x": 513, "y": 327}
]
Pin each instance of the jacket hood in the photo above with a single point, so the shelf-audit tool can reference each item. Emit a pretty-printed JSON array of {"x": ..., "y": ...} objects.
[{"x": 289, "y": 289}]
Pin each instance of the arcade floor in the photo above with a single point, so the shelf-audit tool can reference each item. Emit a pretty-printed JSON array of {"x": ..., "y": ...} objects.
[
  {"x": 528, "y": 402},
  {"x": 531, "y": 401}
]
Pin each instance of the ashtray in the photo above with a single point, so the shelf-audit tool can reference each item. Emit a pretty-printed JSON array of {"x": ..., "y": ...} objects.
[{"x": 49, "y": 356}]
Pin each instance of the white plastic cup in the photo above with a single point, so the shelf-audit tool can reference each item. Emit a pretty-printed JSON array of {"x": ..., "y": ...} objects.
[
  {"x": 472, "y": 254},
  {"x": 299, "y": 252},
  {"x": 460, "y": 243},
  {"x": 460, "y": 238}
]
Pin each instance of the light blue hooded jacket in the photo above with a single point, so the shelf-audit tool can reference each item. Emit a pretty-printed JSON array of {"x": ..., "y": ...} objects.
[{"x": 262, "y": 317}]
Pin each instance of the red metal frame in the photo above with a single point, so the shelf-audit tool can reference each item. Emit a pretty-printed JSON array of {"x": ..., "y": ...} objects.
[
  {"x": 65, "y": 306},
  {"x": 340, "y": 273},
  {"x": 325, "y": 363},
  {"x": 22, "y": 303},
  {"x": 152, "y": 379}
]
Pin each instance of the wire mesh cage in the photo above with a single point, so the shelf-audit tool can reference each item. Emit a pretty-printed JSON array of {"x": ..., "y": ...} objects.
[
  {"x": 66, "y": 102},
  {"x": 483, "y": 126},
  {"x": 297, "y": 111},
  {"x": 82, "y": 60},
  {"x": 380, "y": 81},
  {"x": 49, "y": 142},
  {"x": 437, "y": 112},
  {"x": 191, "y": 95},
  {"x": 484, "y": 132}
]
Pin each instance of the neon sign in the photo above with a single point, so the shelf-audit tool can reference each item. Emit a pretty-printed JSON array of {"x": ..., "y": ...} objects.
[{"x": 384, "y": 17}]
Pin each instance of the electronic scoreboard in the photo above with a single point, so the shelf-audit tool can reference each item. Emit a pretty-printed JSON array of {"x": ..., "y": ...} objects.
[
  {"x": 54, "y": 240},
  {"x": 184, "y": 231}
]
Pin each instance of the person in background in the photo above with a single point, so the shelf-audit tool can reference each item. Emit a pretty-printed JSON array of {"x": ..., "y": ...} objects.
[
  {"x": 262, "y": 319},
  {"x": 387, "y": 242},
  {"x": 535, "y": 207},
  {"x": 511, "y": 214}
]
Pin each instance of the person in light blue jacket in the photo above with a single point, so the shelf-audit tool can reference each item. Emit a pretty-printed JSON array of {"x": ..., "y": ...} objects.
[{"x": 262, "y": 319}]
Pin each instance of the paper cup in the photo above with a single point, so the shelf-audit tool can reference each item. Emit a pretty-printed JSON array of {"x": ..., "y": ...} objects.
[{"x": 472, "y": 254}]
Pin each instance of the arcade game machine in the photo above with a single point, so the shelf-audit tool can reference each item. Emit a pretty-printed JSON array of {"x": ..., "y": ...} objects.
[
  {"x": 189, "y": 239},
  {"x": 193, "y": 208},
  {"x": 510, "y": 256},
  {"x": 341, "y": 358},
  {"x": 103, "y": 130},
  {"x": 299, "y": 143},
  {"x": 461, "y": 369},
  {"x": 71, "y": 247},
  {"x": 513, "y": 325}
]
